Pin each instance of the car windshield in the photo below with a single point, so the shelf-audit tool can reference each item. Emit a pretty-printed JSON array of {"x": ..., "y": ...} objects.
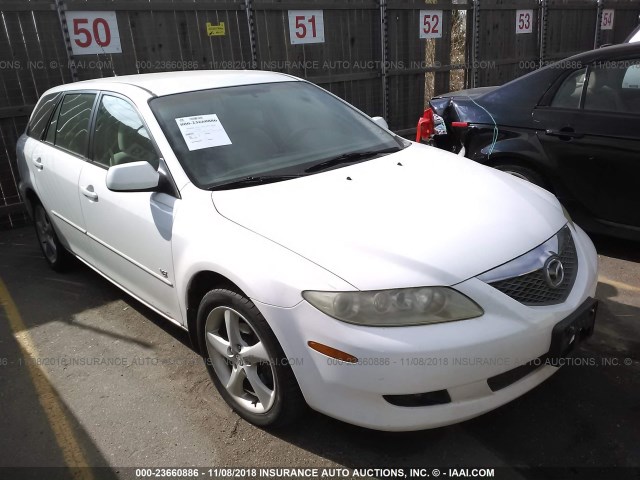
[{"x": 275, "y": 130}]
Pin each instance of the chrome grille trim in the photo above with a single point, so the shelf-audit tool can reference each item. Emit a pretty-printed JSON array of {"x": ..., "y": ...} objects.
[{"x": 531, "y": 288}]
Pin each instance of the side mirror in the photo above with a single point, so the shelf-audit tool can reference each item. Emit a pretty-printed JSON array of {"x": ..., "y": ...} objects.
[
  {"x": 381, "y": 121},
  {"x": 132, "y": 177}
]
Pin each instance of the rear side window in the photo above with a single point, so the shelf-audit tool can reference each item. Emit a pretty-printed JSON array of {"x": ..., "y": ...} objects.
[
  {"x": 41, "y": 115},
  {"x": 614, "y": 86},
  {"x": 72, "y": 123}
]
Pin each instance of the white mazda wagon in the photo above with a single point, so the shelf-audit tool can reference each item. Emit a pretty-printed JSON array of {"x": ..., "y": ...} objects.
[{"x": 314, "y": 257}]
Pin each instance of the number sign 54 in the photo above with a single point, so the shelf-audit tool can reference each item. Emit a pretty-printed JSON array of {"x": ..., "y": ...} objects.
[
  {"x": 93, "y": 32},
  {"x": 430, "y": 23}
]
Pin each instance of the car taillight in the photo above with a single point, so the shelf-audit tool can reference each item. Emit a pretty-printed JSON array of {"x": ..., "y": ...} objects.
[{"x": 425, "y": 126}]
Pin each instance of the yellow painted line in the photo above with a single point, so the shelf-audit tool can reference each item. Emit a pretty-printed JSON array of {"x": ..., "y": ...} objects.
[
  {"x": 618, "y": 285},
  {"x": 60, "y": 425}
]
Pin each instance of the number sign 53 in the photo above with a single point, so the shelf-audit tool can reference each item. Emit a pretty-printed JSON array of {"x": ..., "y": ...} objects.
[
  {"x": 93, "y": 32},
  {"x": 524, "y": 21}
]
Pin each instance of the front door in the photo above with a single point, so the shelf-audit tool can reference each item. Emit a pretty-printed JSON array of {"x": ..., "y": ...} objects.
[
  {"x": 130, "y": 232},
  {"x": 596, "y": 143}
]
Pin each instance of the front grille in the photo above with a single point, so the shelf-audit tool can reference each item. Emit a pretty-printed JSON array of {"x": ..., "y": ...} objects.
[{"x": 533, "y": 289}]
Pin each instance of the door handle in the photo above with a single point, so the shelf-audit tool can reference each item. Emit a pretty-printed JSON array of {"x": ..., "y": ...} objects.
[
  {"x": 38, "y": 163},
  {"x": 567, "y": 132},
  {"x": 89, "y": 193}
]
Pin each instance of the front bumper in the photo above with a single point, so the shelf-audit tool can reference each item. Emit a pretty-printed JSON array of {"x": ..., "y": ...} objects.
[{"x": 456, "y": 357}]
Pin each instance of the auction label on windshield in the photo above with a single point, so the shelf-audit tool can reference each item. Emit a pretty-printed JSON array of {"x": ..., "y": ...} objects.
[{"x": 203, "y": 131}]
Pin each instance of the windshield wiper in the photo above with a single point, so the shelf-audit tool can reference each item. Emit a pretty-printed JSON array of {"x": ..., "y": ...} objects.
[
  {"x": 253, "y": 180},
  {"x": 349, "y": 158}
]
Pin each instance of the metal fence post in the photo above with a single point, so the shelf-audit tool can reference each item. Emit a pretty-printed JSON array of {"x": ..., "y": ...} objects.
[
  {"x": 543, "y": 31},
  {"x": 248, "y": 8},
  {"x": 474, "y": 43},
  {"x": 61, "y": 8},
  {"x": 598, "y": 31},
  {"x": 384, "y": 45}
]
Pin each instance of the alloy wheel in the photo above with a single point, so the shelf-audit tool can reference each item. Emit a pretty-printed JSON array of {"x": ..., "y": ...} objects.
[{"x": 240, "y": 360}]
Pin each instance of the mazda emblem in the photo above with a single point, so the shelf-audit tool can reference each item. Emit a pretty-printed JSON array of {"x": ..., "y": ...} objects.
[{"x": 554, "y": 271}]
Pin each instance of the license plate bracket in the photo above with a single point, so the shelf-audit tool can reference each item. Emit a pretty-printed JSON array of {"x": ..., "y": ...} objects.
[{"x": 574, "y": 329}]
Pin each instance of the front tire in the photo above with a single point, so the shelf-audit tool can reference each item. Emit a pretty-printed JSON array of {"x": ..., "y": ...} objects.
[
  {"x": 245, "y": 360},
  {"x": 54, "y": 252}
]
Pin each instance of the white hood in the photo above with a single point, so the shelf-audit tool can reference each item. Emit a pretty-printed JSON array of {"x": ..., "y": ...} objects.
[{"x": 418, "y": 217}]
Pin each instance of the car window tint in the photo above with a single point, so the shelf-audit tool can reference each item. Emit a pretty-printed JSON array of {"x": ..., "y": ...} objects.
[
  {"x": 120, "y": 136},
  {"x": 569, "y": 93},
  {"x": 614, "y": 87},
  {"x": 72, "y": 129},
  {"x": 41, "y": 114}
]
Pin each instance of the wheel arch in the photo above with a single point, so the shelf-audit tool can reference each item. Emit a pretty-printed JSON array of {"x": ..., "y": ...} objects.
[
  {"x": 30, "y": 199},
  {"x": 199, "y": 284}
]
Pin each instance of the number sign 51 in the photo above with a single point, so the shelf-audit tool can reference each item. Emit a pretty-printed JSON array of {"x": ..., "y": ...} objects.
[
  {"x": 93, "y": 32},
  {"x": 306, "y": 26},
  {"x": 430, "y": 23}
]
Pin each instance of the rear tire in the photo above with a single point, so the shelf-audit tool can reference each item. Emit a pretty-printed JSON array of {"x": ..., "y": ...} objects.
[
  {"x": 245, "y": 360},
  {"x": 524, "y": 173},
  {"x": 54, "y": 252}
]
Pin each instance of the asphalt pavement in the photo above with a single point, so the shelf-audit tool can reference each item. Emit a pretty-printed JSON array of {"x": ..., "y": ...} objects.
[{"x": 137, "y": 395}]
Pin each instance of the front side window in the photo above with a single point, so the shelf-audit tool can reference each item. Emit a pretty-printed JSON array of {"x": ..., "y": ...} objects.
[
  {"x": 226, "y": 134},
  {"x": 71, "y": 128},
  {"x": 41, "y": 114},
  {"x": 120, "y": 136},
  {"x": 570, "y": 92}
]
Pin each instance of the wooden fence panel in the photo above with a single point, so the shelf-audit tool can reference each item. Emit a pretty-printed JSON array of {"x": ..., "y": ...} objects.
[
  {"x": 32, "y": 59},
  {"x": 420, "y": 68},
  {"x": 380, "y": 67},
  {"x": 625, "y": 19},
  {"x": 571, "y": 28},
  {"x": 348, "y": 63},
  {"x": 519, "y": 53},
  {"x": 162, "y": 35}
]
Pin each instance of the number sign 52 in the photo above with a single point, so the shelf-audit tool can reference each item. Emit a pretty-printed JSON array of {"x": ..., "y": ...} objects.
[
  {"x": 93, "y": 32},
  {"x": 430, "y": 23}
]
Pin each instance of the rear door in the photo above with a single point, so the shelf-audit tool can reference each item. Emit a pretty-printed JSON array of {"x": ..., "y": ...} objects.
[
  {"x": 130, "y": 232},
  {"x": 58, "y": 162},
  {"x": 595, "y": 141}
]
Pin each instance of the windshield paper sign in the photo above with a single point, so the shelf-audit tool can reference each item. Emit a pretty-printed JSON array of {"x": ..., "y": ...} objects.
[{"x": 202, "y": 131}]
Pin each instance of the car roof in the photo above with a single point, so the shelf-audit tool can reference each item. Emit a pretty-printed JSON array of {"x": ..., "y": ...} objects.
[
  {"x": 614, "y": 51},
  {"x": 167, "y": 83}
]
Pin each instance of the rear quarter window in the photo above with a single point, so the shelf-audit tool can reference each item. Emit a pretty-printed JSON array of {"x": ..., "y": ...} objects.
[{"x": 41, "y": 114}]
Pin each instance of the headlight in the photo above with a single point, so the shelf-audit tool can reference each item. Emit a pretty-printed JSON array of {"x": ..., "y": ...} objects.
[{"x": 394, "y": 308}]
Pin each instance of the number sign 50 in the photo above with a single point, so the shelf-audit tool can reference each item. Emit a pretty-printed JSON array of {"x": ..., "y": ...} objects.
[
  {"x": 430, "y": 23},
  {"x": 93, "y": 32}
]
